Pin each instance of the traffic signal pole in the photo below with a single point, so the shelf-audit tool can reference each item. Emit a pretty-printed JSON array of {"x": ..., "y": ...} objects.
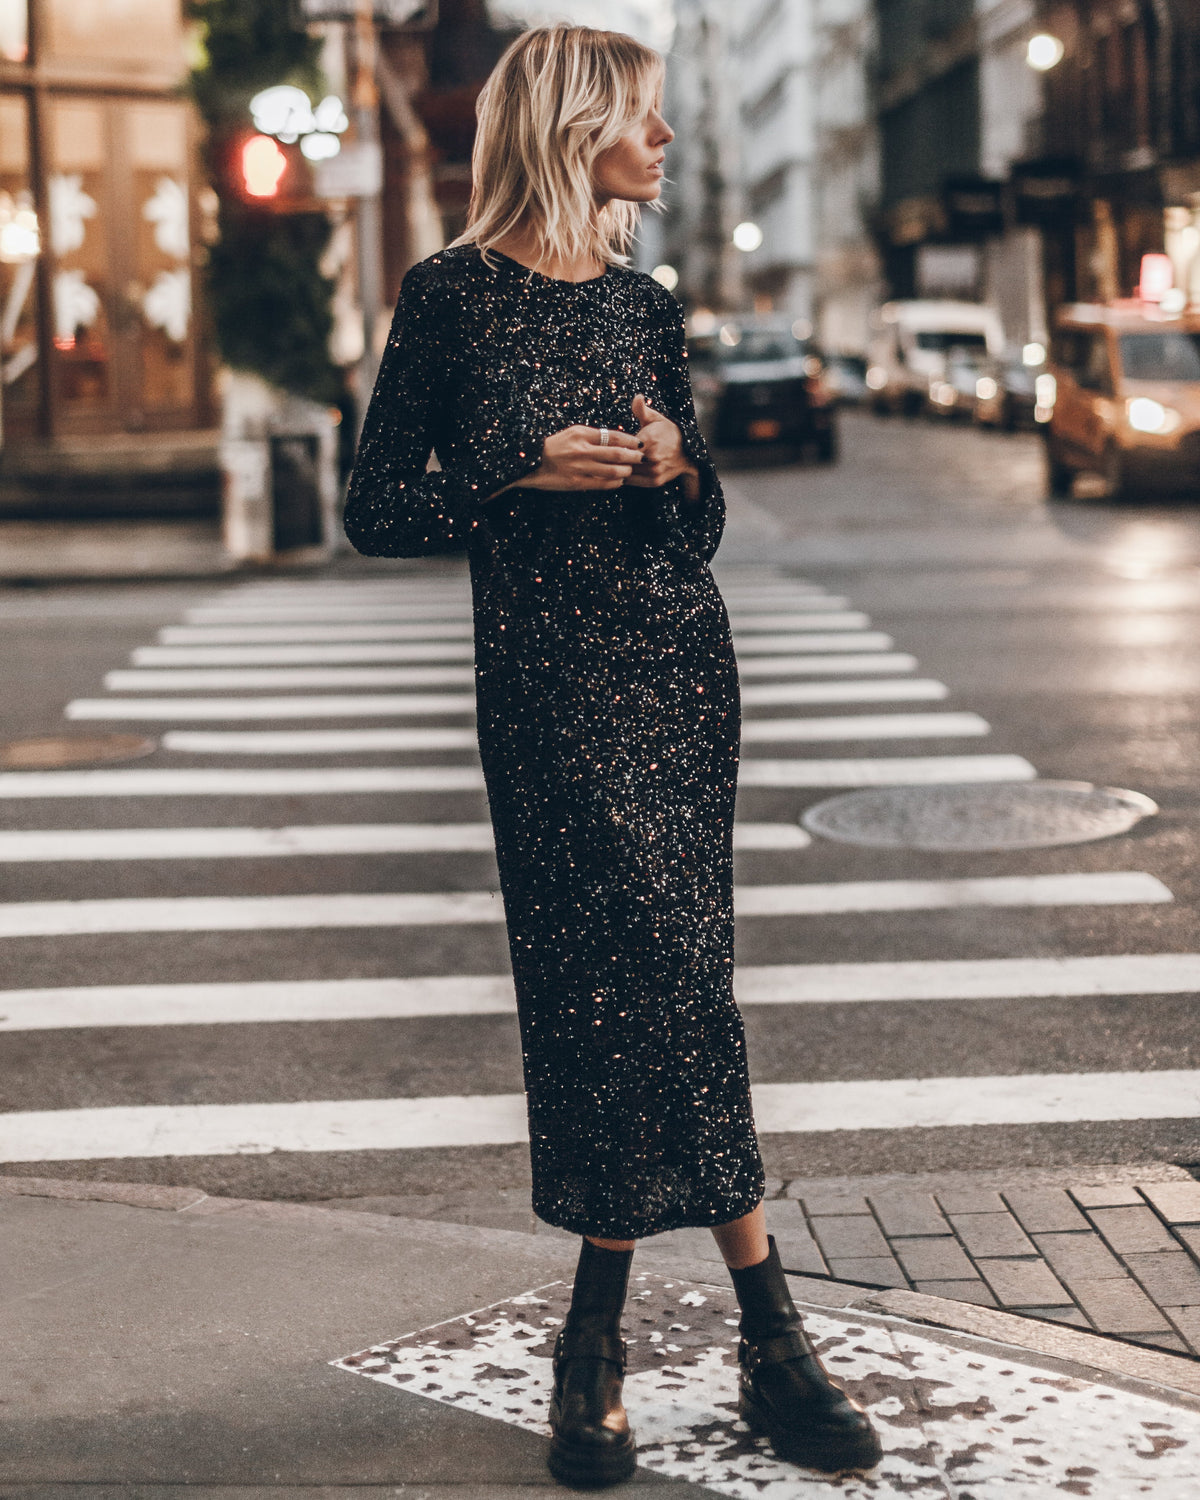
[{"x": 365, "y": 102}]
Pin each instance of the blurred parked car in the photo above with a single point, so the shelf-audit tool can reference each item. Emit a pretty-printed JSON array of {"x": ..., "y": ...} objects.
[
  {"x": 847, "y": 376},
  {"x": 909, "y": 349},
  {"x": 953, "y": 393},
  {"x": 1121, "y": 399},
  {"x": 1006, "y": 392},
  {"x": 757, "y": 381}
]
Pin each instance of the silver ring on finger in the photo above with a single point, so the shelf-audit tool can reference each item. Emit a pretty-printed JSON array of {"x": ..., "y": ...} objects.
[{"x": 604, "y": 437}]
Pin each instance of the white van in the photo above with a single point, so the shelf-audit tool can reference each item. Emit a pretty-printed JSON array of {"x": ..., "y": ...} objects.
[{"x": 907, "y": 354}]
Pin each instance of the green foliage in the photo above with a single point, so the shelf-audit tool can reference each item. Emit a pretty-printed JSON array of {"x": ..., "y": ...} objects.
[
  {"x": 271, "y": 305},
  {"x": 250, "y": 45}
]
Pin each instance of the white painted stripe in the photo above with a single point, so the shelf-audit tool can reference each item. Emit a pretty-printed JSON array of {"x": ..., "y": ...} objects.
[
  {"x": 842, "y": 640},
  {"x": 241, "y": 1129},
  {"x": 252, "y": 1003},
  {"x": 42, "y": 845},
  {"x": 247, "y": 913},
  {"x": 351, "y": 741},
  {"x": 866, "y": 727},
  {"x": 227, "y": 679},
  {"x": 235, "y": 635},
  {"x": 499, "y": 1119},
  {"x": 280, "y": 913},
  {"x": 268, "y": 614},
  {"x": 971, "y": 979},
  {"x": 339, "y": 588},
  {"x": 933, "y": 1103},
  {"x": 480, "y": 994},
  {"x": 400, "y": 705},
  {"x": 814, "y": 666},
  {"x": 322, "y": 781},
  {"x": 314, "y": 741},
  {"x": 833, "y": 620},
  {"x": 222, "y": 781},
  {"x": 320, "y": 652},
  {"x": 904, "y": 770},
  {"x": 770, "y": 836},
  {"x": 1100, "y": 888},
  {"x": 308, "y": 655},
  {"x": 218, "y": 679},
  {"x": 333, "y": 706},
  {"x": 58, "y": 844},
  {"x": 770, "y": 694}
]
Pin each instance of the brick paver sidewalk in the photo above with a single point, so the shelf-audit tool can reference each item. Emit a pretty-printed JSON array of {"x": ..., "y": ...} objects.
[
  {"x": 1122, "y": 1258},
  {"x": 1112, "y": 1249}
]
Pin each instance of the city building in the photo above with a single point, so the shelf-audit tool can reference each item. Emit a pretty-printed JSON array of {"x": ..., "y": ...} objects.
[
  {"x": 957, "y": 104},
  {"x": 99, "y": 345},
  {"x": 1116, "y": 172},
  {"x": 848, "y": 284},
  {"x": 776, "y": 54},
  {"x": 702, "y": 195}
]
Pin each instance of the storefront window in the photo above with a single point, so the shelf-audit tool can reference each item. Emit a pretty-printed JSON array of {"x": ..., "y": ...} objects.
[
  {"x": 14, "y": 30},
  {"x": 158, "y": 159},
  {"x": 141, "y": 33},
  {"x": 79, "y": 237},
  {"x": 20, "y": 246}
]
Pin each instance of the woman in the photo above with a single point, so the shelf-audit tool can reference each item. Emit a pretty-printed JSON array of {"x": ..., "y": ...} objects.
[{"x": 551, "y": 381}]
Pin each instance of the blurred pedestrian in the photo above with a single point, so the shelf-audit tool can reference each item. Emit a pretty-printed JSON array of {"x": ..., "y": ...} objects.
[{"x": 551, "y": 381}]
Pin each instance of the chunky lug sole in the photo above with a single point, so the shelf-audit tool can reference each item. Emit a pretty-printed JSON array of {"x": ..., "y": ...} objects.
[
  {"x": 584, "y": 1467},
  {"x": 829, "y": 1452}
]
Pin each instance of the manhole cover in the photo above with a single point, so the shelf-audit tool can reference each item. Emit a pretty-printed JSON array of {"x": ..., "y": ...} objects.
[
  {"x": 1005, "y": 815},
  {"x": 49, "y": 751}
]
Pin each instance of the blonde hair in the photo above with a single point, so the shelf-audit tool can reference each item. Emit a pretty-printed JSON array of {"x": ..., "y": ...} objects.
[{"x": 559, "y": 97}]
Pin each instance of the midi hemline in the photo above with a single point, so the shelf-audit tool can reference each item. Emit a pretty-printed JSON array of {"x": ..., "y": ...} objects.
[{"x": 718, "y": 1217}]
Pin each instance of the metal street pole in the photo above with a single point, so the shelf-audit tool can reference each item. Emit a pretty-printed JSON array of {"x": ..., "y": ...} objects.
[{"x": 365, "y": 103}]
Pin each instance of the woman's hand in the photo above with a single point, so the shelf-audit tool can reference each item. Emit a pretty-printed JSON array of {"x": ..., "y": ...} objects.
[
  {"x": 662, "y": 444},
  {"x": 573, "y": 459}
]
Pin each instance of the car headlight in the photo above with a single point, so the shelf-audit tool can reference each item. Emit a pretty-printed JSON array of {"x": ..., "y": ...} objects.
[
  {"x": 1146, "y": 415},
  {"x": 986, "y": 388}
]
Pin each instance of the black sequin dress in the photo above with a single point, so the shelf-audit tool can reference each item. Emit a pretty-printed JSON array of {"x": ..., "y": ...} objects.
[{"x": 608, "y": 721}]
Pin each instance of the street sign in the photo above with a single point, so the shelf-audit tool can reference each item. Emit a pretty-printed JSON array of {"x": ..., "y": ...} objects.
[
  {"x": 355, "y": 172},
  {"x": 385, "y": 12}
]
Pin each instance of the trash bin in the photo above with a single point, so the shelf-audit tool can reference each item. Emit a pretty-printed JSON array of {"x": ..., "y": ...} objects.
[{"x": 279, "y": 470}]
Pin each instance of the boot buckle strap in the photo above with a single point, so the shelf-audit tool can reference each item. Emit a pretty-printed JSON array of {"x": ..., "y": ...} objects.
[
  {"x": 774, "y": 1351},
  {"x": 591, "y": 1346}
]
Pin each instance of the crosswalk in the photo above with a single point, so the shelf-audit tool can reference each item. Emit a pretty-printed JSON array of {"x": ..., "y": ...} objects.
[{"x": 289, "y": 673}]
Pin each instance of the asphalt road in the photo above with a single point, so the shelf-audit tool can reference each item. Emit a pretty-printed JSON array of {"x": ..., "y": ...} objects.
[{"x": 1071, "y": 630}]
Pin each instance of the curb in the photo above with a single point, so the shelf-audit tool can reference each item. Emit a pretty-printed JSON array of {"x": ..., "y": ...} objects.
[{"x": 1092, "y": 1356}]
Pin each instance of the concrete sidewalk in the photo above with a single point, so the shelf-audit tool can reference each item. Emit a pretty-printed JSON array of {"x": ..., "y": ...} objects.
[{"x": 157, "y": 1339}]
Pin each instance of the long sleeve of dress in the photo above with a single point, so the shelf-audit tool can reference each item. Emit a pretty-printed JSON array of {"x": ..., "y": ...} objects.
[
  {"x": 693, "y": 527},
  {"x": 395, "y": 507}
]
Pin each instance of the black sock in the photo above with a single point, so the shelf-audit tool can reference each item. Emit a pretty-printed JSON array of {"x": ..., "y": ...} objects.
[
  {"x": 598, "y": 1297},
  {"x": 764, "y": 1298}
]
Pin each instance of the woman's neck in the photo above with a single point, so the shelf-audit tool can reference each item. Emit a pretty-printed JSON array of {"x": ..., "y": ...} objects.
[{"x": 527, "y": 249}]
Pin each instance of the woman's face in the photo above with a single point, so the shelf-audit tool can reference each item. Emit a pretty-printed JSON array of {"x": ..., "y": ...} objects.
[{"x": 632, "y": 168}]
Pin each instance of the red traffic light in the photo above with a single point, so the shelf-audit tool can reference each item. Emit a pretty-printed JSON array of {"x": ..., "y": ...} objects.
[{"x": 263, "y": 165}]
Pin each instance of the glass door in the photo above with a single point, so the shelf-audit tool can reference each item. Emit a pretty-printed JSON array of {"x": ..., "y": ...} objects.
[{"x": 119, "y": 210}]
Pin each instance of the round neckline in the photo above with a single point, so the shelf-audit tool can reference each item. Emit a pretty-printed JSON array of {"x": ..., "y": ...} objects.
[{"x": 557, "y": 280}]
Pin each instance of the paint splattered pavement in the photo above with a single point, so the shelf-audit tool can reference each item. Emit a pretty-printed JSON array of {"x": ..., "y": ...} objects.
[{"x": 955, "y": 1422}]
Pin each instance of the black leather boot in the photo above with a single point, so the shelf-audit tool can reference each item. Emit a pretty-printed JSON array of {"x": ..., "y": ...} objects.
[
  {"x": 784, "y": 1390},
  {"x": 592, "y": 1446}
]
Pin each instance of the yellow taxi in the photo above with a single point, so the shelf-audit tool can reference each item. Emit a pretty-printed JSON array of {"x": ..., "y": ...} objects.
[{"x": 1121, "y": 398}]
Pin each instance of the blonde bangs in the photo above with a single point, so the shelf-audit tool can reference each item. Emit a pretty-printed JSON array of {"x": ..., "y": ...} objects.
[{"x": 559, "y": 97}]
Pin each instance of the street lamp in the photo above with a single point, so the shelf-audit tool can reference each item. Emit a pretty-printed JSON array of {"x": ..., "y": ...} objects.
[
  {"x": 1044, "y": 52},
  {"x": 747, "y": 236}
]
